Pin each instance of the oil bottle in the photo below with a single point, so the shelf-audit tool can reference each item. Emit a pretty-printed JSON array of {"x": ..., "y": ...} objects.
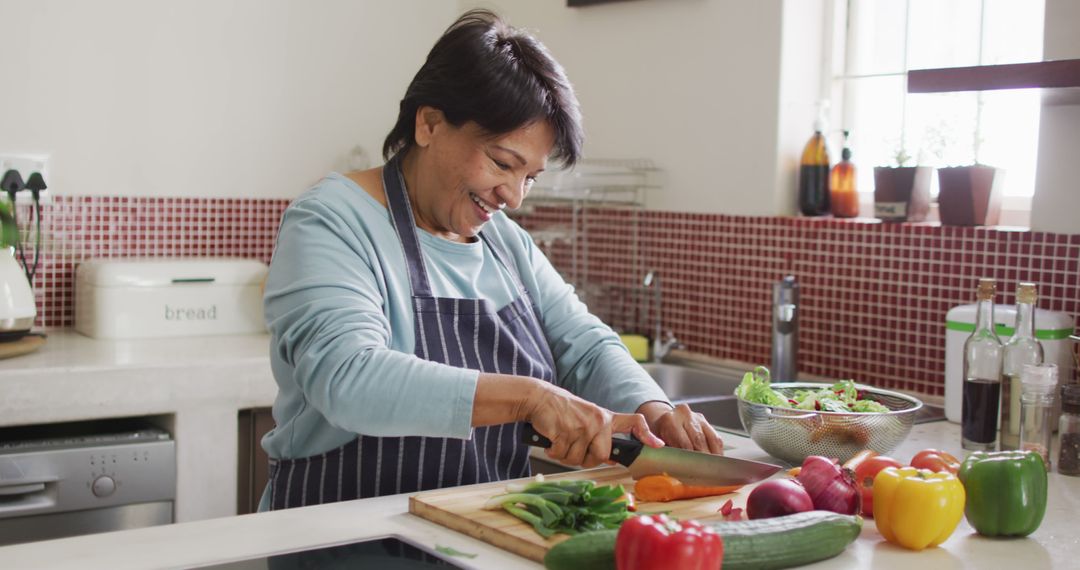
[{"x": 814, "y": 171}]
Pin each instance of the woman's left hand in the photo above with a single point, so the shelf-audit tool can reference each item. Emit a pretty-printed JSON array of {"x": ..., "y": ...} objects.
[{"x": 681, "y": 427}]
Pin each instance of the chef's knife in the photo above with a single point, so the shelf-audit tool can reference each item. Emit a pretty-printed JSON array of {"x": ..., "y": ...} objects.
[{"x": 690, "y": 467}]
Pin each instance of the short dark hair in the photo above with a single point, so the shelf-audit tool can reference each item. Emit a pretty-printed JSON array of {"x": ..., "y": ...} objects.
[{"x": 502, "y": 78}]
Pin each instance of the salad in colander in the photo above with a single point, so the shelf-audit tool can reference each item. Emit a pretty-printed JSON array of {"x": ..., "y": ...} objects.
[{"x": 842, "y": 396}]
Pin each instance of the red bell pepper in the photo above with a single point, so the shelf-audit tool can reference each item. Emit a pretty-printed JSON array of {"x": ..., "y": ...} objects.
[
  {"x": 935, "y": 460},
  {"x": 657, "y": 542}
]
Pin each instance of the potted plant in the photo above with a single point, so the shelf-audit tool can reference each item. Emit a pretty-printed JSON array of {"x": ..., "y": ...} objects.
[
  {"x": 970, "y": 195},
  {"x": 902, "y": 192},
  {"x": 9, "y": 234}
]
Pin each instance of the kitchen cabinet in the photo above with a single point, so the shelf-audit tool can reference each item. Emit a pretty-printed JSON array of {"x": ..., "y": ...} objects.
[
  {"x": 253, "y": 469},
  {"x": 195, "y": 385}
]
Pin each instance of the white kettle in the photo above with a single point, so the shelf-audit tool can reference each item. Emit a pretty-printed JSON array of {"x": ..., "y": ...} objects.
[{"x": 17, "y": 309}]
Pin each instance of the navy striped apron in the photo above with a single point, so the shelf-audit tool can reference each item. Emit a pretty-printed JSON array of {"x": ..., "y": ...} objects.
[{"x": 466, "y": 333}]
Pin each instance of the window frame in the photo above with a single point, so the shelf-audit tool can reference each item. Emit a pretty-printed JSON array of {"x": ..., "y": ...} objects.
[{"x": 1015, "y": 210}]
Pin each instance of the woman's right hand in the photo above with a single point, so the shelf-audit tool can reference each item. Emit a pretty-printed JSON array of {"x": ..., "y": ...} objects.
[{"x": 580, "y": 431}]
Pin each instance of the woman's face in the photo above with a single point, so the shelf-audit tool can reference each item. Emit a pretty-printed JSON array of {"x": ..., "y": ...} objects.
[{"x": 461, "y": 176}]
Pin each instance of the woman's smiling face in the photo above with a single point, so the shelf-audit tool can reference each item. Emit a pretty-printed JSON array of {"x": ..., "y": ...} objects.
[{"x": 458, "y": 177}]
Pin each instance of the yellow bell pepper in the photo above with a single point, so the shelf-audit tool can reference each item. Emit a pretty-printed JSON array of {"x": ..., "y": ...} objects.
[{"x": 917, "y": 508}]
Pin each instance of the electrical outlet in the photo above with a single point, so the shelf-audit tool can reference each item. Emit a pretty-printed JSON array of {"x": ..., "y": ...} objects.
[{"x": 27, "y": 164}]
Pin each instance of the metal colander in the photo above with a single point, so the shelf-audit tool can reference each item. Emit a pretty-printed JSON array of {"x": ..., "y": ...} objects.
[{"x": 793, "y": 435}]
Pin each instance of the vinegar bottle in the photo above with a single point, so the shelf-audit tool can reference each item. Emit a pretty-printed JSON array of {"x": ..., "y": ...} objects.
[
  {"x": 814, "y": 171},
  {"x": 1022, "y": 349},
  {"x": 983, "y": 356},
  {"x": 843, "y": 197}
]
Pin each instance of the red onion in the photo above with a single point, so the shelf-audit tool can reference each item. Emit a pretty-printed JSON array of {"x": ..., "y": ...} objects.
[
  {"x": 831, "y": 487},
  {"x": 777, "y": 498}
]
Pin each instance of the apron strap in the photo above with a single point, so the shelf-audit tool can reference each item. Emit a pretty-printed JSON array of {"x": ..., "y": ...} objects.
[
  {"x": 500, "y": 255},
  {"x": 401, "y": 215}
]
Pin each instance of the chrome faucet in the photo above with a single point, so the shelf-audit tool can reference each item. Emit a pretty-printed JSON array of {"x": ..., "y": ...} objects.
[
  {"x": 661, "y": 346},
  {"x": 785, "y": 337}
]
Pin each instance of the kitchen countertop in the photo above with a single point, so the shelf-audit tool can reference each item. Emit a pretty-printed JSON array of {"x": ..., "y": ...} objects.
[{"x": 1055, "y": 545}]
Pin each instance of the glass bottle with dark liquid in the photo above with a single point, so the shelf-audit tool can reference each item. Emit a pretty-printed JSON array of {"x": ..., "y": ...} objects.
[
  {"x": 983, "y": 358},
  {"x": 814, "y": 172}
]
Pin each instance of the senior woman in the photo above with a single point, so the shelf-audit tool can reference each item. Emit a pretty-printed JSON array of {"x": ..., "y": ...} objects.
[{"x": 415, "y": 327}]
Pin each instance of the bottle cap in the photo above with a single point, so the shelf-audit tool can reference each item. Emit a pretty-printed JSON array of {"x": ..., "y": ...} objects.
[
  {"x": 987, "y": 287},
  {"x": 1026, "y": 293},
  {"x": 1039, "y": 378}
]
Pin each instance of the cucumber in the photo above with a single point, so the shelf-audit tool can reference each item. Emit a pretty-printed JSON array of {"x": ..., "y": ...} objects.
[
  {"x": 585, "y": 551},
  {"x": 763, "y": 544},
  {"x": 783, "y": 542}
]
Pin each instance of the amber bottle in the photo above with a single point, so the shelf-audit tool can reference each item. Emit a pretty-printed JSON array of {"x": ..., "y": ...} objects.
[{"x": 843, "y": 194}]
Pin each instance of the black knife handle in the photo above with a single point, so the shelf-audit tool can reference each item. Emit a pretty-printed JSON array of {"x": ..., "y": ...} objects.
[
  {"x": 529, "y": 436},
  {"x": 623, "y": 451}
]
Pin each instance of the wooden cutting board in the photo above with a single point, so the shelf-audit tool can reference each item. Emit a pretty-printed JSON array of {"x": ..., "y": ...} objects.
[
  {"x": 24, "y": 345},
  {"x": 461, "y": 509}
]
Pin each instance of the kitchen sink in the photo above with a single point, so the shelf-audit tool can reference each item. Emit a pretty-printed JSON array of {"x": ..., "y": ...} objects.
[
  {"x": 686, "y": 383},
  {"x": 709, "y": 391}
]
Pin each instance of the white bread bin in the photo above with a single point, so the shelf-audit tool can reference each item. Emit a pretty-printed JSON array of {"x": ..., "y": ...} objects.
[
  {"x": 1051, "y": 328},
  {"x": 168, "y": 297}
]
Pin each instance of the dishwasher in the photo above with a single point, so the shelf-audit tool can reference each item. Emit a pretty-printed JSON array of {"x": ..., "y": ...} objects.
[{"x": 61, "y": 480}]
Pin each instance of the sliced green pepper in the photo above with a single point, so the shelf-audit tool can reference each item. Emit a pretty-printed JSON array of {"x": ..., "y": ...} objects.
[{"x": 1006, "y": 492}]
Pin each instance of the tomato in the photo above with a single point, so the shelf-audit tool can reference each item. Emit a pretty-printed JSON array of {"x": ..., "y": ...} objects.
[
  {"x": 935, "y": 460},
  {"x": 864, "y": 478}
]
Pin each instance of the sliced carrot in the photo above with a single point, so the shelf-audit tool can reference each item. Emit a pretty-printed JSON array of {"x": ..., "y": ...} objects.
[
  {"x": 794, "y": 471},
  {"x": 664, "y": 488}
]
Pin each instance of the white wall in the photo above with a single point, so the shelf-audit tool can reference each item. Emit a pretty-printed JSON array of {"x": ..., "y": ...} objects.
[
  {"x": 691, "y": 84},
  {"x": 258, "y": 98},
  {"x": 1056, "y": 207},
  {"x": 227, "y": 98}
]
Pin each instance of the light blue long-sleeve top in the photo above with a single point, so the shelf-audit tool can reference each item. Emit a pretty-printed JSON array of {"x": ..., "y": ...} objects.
[{"x": 338, "y": 306}]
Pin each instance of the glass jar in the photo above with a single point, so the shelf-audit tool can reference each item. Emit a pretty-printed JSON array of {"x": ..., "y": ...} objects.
[
  {"x": 1038, "y": 383},
  {"x": 1069, "y": 428}
]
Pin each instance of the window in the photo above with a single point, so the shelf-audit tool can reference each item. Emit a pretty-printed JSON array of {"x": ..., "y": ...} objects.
[{"x": 875, "y": 43}]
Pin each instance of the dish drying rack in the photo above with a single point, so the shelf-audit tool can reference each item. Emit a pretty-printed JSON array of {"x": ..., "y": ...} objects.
[{"x": 558, "y": 213}]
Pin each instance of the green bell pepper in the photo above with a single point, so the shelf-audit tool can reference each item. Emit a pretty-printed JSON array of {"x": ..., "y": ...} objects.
[{"x": 1006, "y": 492}]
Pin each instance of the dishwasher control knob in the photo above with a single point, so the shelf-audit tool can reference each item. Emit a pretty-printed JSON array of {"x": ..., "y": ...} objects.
[{"x": 103, "y": 486}]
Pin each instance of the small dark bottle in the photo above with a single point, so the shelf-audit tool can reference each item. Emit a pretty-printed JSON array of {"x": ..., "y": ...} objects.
[{"x": 814, "y": 174}]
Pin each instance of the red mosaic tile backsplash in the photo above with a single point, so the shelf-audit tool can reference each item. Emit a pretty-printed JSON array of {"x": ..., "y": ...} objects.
[
  {"x": 873, "y": 295},
  {"x": 75, "y": 228}
]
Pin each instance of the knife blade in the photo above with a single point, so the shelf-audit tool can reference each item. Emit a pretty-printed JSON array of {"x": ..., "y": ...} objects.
[{"x": 690, "y": 467}]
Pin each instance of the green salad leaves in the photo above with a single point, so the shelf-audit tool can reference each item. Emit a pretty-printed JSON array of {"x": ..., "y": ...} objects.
[{"x": 842, "y": 396}]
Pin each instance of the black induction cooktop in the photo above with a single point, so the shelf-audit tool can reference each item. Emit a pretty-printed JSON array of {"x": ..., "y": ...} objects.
[{"x": 390, "y": 553}]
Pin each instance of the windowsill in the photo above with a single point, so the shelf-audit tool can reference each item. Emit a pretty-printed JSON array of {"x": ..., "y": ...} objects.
[{"x": 1015, "y": 212}]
